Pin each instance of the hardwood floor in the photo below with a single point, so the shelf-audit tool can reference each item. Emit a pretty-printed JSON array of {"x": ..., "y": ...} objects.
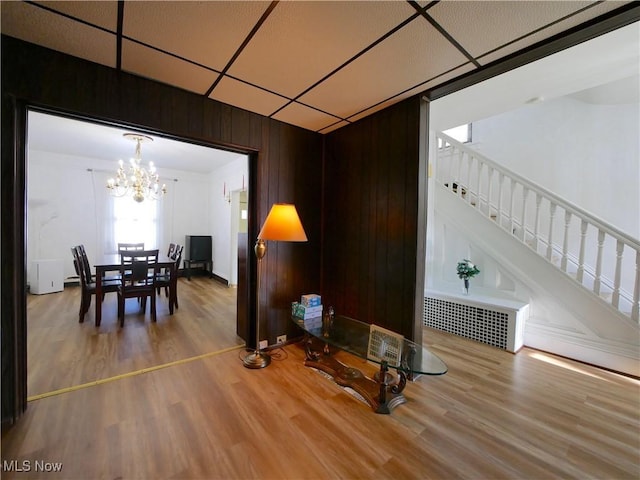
[
  {"x": 63, "y": 353},
  {"x": 493, "y": 415}
]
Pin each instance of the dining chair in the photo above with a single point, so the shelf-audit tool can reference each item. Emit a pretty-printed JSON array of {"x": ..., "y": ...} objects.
[
  {"x": 128, "y": 247},
  {"x": 87, "y": 285},
  {"x": 138, "y": 269},
  {"x": 87, "y": 267},
  {"x": 170, "y": 254},
  {"x": 169, "y": 279}
]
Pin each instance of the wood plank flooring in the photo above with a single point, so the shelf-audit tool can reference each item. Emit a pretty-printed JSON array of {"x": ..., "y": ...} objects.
[
  {"x": 64, "y": 353},
  {"x": 493, "y": 415}
]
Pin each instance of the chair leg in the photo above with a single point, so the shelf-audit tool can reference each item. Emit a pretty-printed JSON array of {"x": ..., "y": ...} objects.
[
  {"x": 81, "y": 311},
  {"x": 121, "y": 310},
  {"x": 153, "y": 308},
  {"x": 85, "y": 303}
]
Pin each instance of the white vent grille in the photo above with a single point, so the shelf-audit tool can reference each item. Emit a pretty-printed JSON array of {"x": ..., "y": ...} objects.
[{"x": 499, "y": 327}]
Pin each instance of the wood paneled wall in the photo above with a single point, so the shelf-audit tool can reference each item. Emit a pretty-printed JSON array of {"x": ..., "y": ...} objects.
[
  {"x": 285, "y": 166},
  {"x": 372, "y": 217}
]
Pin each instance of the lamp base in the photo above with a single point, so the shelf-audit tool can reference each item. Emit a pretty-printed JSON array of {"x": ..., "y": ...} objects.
[{"x": 256, "y": 359}]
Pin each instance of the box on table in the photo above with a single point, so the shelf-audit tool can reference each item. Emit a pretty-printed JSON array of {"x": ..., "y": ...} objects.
[
  {"x": 300, "y": 311},
  {"x": 311, "y": 300}
]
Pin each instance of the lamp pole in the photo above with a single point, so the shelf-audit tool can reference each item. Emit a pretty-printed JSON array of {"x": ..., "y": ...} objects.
[
  {"x": 282, "y": 225},
  {"x": 257, "y": 359}
]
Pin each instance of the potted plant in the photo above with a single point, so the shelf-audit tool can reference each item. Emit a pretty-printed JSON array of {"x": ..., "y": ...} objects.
[{"x": 466, "y": 270}]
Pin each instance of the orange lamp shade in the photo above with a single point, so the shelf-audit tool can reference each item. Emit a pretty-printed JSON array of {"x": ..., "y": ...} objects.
[{"x": 283, "y": 224}]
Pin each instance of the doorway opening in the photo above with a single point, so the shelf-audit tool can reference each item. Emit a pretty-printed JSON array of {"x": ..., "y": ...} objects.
[{"x": 68, "y": 163}]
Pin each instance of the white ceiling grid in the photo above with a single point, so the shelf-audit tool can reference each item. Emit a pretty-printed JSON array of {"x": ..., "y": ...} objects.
[{"x": 315, "y": 64}]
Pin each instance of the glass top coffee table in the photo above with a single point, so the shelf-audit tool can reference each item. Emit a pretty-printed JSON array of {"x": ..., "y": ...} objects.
[{"x": 388, "y": 349}]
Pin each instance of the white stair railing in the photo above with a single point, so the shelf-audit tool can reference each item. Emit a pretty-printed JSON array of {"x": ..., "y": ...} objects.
[{"x": 593, "y": 253}]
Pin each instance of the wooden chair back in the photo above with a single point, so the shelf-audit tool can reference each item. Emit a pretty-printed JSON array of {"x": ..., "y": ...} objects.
[
  {"x": 84, "y": 262},
  {"x": 79, "y": 259},
  {"x": 177, "y": 255},
  {"x": 138, "y": 268},
  {"x": 126, "y": 247}
]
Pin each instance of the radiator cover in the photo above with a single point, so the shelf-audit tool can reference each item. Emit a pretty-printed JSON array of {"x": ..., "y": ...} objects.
[{"x": 495, "y": 322}]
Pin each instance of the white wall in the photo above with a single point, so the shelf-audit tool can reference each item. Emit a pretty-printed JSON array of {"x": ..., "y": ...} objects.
[
  {"x": 564, "y": 318},
  {"x": 577, "y": 330},
  {"x": 228, "y": 179},
  {"x": 596, "y": 164},
  {"x": 586, "y": 153},
  {"x": 65, "y": 202}
]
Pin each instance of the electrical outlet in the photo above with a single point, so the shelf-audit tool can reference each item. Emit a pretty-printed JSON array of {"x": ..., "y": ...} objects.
[
  {"x": 263, "y": 344},
  {"x": 281, "y": 339}
]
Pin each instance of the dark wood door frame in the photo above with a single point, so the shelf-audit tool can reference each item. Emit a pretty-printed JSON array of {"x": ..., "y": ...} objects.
[{"x": 14, "y": 236}]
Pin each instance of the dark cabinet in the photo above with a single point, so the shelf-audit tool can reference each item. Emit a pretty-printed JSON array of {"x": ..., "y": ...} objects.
[{"x": 197, "y": 251}]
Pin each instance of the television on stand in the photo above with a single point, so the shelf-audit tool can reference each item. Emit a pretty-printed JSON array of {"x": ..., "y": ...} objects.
[{"x": 197, "y": 251}]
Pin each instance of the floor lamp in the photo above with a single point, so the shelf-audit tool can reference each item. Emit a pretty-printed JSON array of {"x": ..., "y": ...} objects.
[{"x": 282, "y": 225}]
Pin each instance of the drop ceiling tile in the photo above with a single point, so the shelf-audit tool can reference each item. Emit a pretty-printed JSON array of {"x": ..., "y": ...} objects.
[
  {"x": 383, "y": 72},
  {"x": 333, "y": 127},
  {"x": 595, "y": 11},
  {"x": 208, "y": 33},
  {"x": 414, "y": 91},
  {"x": 149, "y": 63},
  {"x": 103, "y": 13},
  {"x": 305, "y": 117},
  {"x": 240, "y": 94},
  {"x": 33, "y": 24},
  {"x": 303, "y": 41},
  {"x": 480, "y": 27}
]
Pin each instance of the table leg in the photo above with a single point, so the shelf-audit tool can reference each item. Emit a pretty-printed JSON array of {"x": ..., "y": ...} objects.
[
  {"x": 98, "y": 298},
  {"x": 173, "y": 285},
  {"x": 383, "y": 393}
]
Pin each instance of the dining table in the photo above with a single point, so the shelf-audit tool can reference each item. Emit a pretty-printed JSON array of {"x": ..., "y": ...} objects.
[{"x": 112, "y": 263}]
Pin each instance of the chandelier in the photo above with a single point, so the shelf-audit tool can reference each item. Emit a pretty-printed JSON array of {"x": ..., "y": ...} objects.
[{"x": 135, "y": 179}]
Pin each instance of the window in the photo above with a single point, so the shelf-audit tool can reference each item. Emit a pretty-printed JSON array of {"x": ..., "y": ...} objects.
[
  {"x": 135, "y": 222},
  {"x": 461, "y": 133}
]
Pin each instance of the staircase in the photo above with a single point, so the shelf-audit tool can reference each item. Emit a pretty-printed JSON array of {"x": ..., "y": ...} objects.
[{"x": 601, "y": 262}]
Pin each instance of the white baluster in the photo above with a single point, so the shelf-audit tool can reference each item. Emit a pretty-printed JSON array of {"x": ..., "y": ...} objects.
[
  {"x": 565, "y": 241},
  {"x": 523, "y": 220},
  {"x": 490, "y": 189},
  {"x": 468, "y": 166},
  {"x": 552, "y": 215},
  {"x": 615, "y": 297},
  {"x": 536, "y": 226},
  {"x": 470, "y": 160},
  {"x": 512, "y": 226},
  {"x": 458, "y": 179},
  {"x": 635, "y": 309},
  {"x": 500, "y": 193},
  {"x": 597, "y": 280},
  {"x": 480, "y": 167},
  {"x": 451, "y": 172},
  {"x": 583, "y": 238}
]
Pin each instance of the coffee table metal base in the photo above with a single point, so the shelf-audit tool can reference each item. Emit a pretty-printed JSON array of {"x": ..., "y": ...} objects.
[{"x": 383, "y": 393}]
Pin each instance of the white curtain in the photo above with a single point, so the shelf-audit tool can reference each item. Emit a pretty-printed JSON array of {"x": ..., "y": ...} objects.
[{"x": 121, "y": 219}]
